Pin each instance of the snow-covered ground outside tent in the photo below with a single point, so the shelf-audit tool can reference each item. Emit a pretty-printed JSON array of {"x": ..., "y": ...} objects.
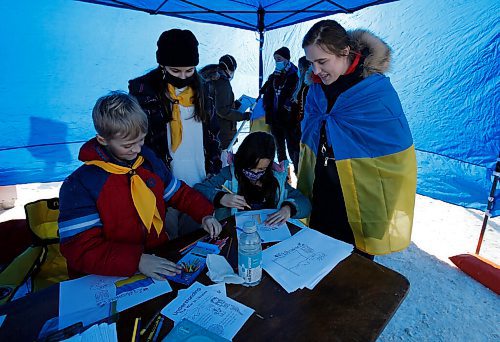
[{"x": 443, "y": 304}]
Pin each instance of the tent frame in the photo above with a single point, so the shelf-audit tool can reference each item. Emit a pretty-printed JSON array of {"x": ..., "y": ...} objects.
[{"x": 237, "y": 23}]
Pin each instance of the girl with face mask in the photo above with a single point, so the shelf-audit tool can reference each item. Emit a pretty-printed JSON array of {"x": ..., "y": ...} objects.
[
  {"x": 277, "y": 102},
  {"x": 181, "y": 131},
  {"x": 255, "y": 182}
]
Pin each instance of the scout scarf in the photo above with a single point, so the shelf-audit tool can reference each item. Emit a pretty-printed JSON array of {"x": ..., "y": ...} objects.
[
  {"x": 184, "y": 99},
  {"x": 143, "y": 197}
]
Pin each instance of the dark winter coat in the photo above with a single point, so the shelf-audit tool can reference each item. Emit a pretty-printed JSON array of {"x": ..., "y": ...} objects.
[
  {"x": 220, "y": 100},
  {"x": 151, "y": 94},
  {"x": 277, "y": 97}
]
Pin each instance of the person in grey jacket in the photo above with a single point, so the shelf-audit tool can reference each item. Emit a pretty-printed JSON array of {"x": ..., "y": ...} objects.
[
  {"x": 255, "y": 182},
  {"x": 221, "y": 97}
]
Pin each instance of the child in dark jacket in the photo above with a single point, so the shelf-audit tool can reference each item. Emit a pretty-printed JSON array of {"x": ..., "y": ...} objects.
[
  {"x": 277, "y": 100},
  {"x": 255, "y": 182},
  {"x": 112, "y": 209},
  {"x": 220, "y": 98}
]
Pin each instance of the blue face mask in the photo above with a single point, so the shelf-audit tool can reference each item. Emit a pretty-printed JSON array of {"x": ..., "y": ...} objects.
[{"x": 280, "y": 66}]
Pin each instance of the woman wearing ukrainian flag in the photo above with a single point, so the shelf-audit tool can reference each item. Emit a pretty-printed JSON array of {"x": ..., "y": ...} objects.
[{"x": 357, "y": 161}]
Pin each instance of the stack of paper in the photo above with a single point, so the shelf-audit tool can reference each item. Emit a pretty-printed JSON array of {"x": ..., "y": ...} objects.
[
  {"x": 304, "y": 259},
  {"x": 266, "y": 232},
  {"x": 210, "y": 308},
  {"x": 100, "y": 332}
]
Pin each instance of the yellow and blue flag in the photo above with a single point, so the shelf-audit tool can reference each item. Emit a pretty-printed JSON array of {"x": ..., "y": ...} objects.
[{"x": 375, "y": 159}]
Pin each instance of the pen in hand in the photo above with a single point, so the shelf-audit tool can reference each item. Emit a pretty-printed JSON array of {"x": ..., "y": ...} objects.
[{"x": 233, "y": 202}]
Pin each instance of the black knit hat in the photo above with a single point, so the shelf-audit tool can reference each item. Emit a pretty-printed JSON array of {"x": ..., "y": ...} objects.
[
  {"x": 177, "y": 48},
  {"x": 283, "y": 52},
  {"x": 228, "y": 62}
]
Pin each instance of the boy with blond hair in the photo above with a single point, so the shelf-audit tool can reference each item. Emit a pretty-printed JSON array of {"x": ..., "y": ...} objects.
[{"x": 112, "y": 208}]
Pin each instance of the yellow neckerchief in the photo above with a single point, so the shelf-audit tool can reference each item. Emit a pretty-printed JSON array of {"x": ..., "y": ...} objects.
[
  {"x": 186, "y": 100},
  {"x": 144, "y": 199}
]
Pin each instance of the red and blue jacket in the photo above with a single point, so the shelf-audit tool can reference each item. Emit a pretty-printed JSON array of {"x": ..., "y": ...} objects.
[{"x": 99, "y": 227}]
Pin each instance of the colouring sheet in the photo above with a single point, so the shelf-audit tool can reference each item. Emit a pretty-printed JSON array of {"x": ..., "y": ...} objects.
[
  {"x": 88, "y": 299},
  {"x": 267, "y": 233},
  {"x": 209, "y": 308}
]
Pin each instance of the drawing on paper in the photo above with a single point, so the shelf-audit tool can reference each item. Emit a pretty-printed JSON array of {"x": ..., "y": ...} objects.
[
  {"x": 135, "y": 284},
  {"x": 100, "y": 289},
  {"x": 297, "y": 258}
]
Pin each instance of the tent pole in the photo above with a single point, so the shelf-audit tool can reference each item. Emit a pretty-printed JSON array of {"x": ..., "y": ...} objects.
[
  {"x": 261, "y": 25},
  {"x": 261, "y": 62},
  {"x": 491, "y": 203}
]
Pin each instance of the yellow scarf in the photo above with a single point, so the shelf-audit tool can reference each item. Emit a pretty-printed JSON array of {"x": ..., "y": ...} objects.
[
  {"x": 144, "y": 199},
  {"x": 186, "y": 100}
]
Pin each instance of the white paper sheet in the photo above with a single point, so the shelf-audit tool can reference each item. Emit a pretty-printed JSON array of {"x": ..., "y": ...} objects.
[
  {"x": 87, "y": 299},
  {"x": 86, "y": 292},
  {"x": 140, "y": 292},
  {"x": 267, "y": 233},
  {"x": 209, "y": 309},
  {"x": 304, "y": 259},
  {"x": 217, "y": 288}
]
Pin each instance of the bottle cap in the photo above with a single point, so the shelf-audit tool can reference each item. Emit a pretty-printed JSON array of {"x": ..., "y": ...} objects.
[{"x": 249, "y": 227}]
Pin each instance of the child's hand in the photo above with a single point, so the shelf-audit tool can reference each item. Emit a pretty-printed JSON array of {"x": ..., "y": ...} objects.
[
  {"x": 154, "y": 267},
  {"x": 211, "y": 226},
  {"x": 281, "y": 216},
  {"x": 234, "y": 201}
]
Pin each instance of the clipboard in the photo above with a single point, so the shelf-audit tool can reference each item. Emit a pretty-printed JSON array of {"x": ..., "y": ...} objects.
[{"x": 246, "y": 102}]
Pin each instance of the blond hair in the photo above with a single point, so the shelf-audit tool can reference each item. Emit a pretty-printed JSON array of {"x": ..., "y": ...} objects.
[{"x": 119, "y": 114}]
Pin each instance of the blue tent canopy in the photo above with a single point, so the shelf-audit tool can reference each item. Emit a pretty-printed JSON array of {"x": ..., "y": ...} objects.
[
  {"x": 60, "y": 56},
  {"x": 254, "y": 15},
  {"x": 260, "y": 15}
]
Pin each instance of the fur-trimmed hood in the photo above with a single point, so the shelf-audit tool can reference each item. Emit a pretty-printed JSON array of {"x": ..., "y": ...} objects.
[
  {"x": 378, "y": 57},
  {"x": 210, "y": 72}
]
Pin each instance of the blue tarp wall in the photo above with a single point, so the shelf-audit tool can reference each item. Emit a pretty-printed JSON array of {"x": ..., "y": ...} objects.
[{"x": 58, "y": 57}]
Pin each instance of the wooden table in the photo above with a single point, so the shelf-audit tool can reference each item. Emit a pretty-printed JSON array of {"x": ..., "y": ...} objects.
[{"x": 354, "y": 302}]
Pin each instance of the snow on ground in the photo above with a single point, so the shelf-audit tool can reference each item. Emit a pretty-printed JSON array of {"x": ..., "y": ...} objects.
[{"x": 443, "y": 304}]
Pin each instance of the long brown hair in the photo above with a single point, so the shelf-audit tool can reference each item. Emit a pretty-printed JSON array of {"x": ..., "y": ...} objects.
[{"x": 331, "y": 37}]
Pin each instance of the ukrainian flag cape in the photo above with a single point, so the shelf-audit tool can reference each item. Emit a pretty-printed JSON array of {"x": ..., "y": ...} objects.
[{"x": 375, "y": 159}]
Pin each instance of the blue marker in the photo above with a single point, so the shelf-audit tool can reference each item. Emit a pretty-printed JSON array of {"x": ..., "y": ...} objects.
[{"x": 158, "y": 328}]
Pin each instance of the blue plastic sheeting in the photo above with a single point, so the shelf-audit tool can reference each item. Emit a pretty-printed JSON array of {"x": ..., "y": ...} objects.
[
  {"x": 243, "y": 14},
  {"x": 59, "y": 56}
]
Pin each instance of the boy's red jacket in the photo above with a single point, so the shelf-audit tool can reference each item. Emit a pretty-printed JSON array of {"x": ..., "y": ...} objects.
[{"x": 100, "y": 229}]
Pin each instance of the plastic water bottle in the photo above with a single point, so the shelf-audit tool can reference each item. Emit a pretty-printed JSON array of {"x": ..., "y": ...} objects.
[{"x": 250, "y": 254}]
